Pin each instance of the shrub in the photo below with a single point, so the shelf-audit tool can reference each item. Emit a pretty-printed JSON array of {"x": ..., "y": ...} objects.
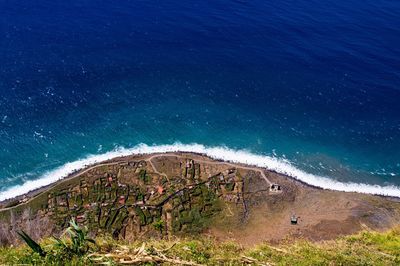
[
  {"x": 159, "y": 225},
  {"x": 72, "y": 247}
]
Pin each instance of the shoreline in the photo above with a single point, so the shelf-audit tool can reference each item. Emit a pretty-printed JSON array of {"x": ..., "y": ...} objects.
[
  {"x": 250, "y": 211},
  {"x": 37, "y": 191},
  {"x": 12, "y": 202}
]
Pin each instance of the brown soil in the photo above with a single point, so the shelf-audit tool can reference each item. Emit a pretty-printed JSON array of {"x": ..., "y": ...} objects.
[{"x": 322, "y": 214}]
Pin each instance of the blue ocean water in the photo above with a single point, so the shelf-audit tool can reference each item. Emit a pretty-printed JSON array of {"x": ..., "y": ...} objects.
[{"x": 314, "y": 84}]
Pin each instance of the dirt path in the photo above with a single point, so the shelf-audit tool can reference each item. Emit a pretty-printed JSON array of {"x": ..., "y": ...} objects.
[
  {"x": 210, "y": 162},
  {"x": 155, "y": 168}
]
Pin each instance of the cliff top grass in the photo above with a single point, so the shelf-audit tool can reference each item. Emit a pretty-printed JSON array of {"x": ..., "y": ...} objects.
[{"x": 365, "y": 248}]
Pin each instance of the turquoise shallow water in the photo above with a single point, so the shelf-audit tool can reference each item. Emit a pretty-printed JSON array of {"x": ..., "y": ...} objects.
[{"x": 311, "y": 84}]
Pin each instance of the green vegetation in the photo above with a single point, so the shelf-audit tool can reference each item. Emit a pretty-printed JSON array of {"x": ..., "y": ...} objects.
[
  {"x": 73, "y": 248},
  {"x": 32, "y": 244},
  {"x": 109, "y": 198},
  {"x": 76, "y": 243},
  {"x": 146, "y": 178},
  {"x": 159, "y": 225},
  {"x": 365, "y": 248},
  {"x": 230, "y": 186}
]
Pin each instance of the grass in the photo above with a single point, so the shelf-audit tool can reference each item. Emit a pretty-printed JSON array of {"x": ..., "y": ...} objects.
[
  {"x": 73, "y": 248},
  {"x": 365, "y": 248}
]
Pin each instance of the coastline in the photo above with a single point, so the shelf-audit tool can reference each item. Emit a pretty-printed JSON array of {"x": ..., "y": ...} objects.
[
  {"x": 252, "y": 212},
  {"x": 28, "y": 196},
  {"x": 37, "y": 191},
  {"x": 217, "y": 153}
]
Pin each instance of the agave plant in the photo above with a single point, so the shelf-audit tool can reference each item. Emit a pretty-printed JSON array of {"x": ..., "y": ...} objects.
[
  {"x": 32, "y": 243},
  {"x": 74, "y": 242},
  {"x": 77, "y": 241}
]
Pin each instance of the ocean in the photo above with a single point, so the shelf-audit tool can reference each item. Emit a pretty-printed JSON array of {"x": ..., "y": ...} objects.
[{"x": 306, "y": 88}]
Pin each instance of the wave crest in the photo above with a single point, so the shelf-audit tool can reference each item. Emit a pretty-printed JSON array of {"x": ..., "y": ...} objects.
[{"x": 222, "y": 153}]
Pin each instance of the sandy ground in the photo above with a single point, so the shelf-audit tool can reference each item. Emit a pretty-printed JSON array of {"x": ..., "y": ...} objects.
[{"x": 322, "y": 214}]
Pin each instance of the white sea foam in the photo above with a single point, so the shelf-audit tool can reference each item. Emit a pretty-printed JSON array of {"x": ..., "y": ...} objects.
[{"x": 223, "y": 153}]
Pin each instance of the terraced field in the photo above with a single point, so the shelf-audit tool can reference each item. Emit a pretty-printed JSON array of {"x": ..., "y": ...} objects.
[{"x": 136, "y": 198}]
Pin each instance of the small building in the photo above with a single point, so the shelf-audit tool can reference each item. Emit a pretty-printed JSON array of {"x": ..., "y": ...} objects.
[
  {"x": 160, "y": 190},
  {"x": 275, "y": 188},
  {"x": 293, "y": 219},
  {"x": 121, "y": 200}
]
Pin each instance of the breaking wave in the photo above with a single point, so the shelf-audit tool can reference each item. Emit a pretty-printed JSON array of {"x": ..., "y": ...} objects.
[{"x": 222, "y": 153}]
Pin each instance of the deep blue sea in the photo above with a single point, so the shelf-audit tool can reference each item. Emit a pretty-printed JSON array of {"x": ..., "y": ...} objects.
[{"x": 309, "y": 88}]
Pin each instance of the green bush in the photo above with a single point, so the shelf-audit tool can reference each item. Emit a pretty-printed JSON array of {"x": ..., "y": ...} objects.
[
  {"x": 159, "y": 225},
  {"x": 72, "y": 248}
]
